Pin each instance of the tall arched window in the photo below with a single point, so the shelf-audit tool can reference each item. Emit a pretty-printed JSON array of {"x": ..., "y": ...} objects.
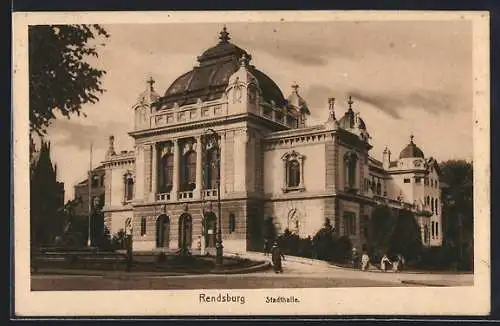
[
  {"x": 350, "y": 160},
  {"x": 436, "y": 206},
  {"x": 437, "y": 229},
  {"x": 432, "y": 229},
  {"x": 166, "y": 179},
  {"x": 432, "y": 205},
  {"x": 211, "y": 169},
  {"x": 189, "y": 171},
  {"x": 129, "y": 187},
  {"x": 293, "y": 168},
  {"x": 293, "y": 173}
]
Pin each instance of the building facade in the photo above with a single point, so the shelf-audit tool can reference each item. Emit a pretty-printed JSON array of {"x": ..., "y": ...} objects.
[{"x": 226, "y": 126}]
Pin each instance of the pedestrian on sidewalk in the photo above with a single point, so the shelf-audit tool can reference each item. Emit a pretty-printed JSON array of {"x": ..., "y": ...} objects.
[
  {"x": 383, "y": 262},
  {"x": 276, "y": 256},
  {"x": 365, "y": 261},
  {"x": 266, "y": 247},
  {"x": 128, "y": 234}
]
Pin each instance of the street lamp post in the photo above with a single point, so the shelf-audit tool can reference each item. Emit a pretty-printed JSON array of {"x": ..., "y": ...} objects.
[{"x": 218, "y": 244}]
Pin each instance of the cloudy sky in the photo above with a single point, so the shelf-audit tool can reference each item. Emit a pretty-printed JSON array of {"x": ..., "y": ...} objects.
[{"x": 405, "y": 77}]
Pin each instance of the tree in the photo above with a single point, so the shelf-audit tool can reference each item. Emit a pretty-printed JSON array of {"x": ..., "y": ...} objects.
[
  {"x": 406, "y": 238},
  {"x": 458, "y": 208},
  {"x": 381, "y": 228},
  {"x": 60, "y": 78}
]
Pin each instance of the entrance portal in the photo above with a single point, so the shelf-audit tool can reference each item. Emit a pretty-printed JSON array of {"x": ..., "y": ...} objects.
[
  {"x": 210, "y": 229},
  {"x": 162, "y": 231},
  {"x": 185, "y": 231}
]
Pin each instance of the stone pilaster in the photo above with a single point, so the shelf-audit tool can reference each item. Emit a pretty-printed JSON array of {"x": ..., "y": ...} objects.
[
  {"x": 147, "y": 170},
  {"x": 199, "y": 181},
  {"x": 154, "y": 171},
  {"x": 176, "y": 171}
]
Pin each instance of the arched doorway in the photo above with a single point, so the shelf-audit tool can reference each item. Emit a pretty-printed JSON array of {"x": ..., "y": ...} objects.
[
  {"x": 185, "y": 230},
  {"x": 162, "y": 231},
  {"x": 210, "y": 229}
]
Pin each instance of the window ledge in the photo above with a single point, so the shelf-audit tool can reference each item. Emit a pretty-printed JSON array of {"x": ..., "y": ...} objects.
[{"x": 293, "y": 189}]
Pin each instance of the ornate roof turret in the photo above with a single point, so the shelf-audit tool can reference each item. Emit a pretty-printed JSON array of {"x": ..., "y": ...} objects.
[
  {"x": 297, "y": 101},
  {"x": 411, "y": 150},
  {"x": 351, "y": 120},
  {"x": 149, "y": 96}
]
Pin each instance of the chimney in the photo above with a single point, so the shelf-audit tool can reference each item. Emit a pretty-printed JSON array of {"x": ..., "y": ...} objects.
[
  {"x": 386, "y": 158},
  {"x": 111, "y": 147}
]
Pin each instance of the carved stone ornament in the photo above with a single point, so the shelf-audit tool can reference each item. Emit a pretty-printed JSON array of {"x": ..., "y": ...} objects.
[{"x": 185, "y": 207}]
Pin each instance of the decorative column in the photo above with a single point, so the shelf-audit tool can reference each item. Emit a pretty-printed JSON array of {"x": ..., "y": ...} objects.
[
  {"x": 222, "y": 145},
  {"x": 199, "y": 181},
  {"x": 175, "y": 187},
  {"x": 301, "y": 157},
  {"x": 154, "y": 171},
  {"x": 285, "y": 171}
]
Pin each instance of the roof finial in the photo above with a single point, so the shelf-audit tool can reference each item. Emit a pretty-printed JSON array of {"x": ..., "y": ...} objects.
[
  {"x": 295, "y": 87},
  {"x": 224, "y": 35},
  {"x": 244, "y": 60},
  {"x": 331, "y": 108},
  {"x": 411, "y": 138},
  {"x": 350, "y": 102},
  {"x": 151, "y": 82}
]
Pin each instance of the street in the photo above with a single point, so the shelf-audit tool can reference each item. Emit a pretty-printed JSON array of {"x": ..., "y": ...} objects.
[{"x": 296, "y": 275}]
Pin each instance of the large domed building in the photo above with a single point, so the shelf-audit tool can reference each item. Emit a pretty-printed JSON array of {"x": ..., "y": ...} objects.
[{"x": 224, "y": 132}]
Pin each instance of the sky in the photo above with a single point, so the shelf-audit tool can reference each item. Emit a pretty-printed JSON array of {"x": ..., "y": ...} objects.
[{"x": 405, "y": 77}]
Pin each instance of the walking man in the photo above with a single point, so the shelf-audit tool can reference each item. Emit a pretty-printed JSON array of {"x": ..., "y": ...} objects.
[
  {"x": 276, "y": 256},
  {"x": 383, "y": 263}
]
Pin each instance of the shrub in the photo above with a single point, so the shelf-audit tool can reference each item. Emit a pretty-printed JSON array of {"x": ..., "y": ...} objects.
[{"x": 342, "y": 250}]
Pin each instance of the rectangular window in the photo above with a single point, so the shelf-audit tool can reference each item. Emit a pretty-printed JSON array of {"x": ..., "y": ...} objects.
[
  {"x": 232, "y": 223},
  {"x": 407, "y": 180},
  {"x": 349, "y": 223},
  {"x": 418, "y": 180},
  {"x": 143, "y": 226}
]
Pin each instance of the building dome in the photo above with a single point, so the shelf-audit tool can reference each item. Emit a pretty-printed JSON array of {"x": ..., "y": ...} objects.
[
  {"x": 209, "y": 80},
  {"x": 411, "y": 150}
]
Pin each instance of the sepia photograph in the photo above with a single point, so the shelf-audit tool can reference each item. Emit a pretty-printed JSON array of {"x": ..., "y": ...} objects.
[{"x": 251, "y": 163}]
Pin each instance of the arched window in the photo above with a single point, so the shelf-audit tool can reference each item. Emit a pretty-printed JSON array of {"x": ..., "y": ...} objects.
[
  {"x": 211, "y": 169},
  {"x": 437, "y": 230},
  {"x": 143, "y": 226},
  {"x": 189, "y": 171},
  {"x": 350, "y": 160},
  {"x": 293, "y": 173},
  {"x": 436, "y": 206},
  {"x": 129, "y": 187},
  {"x": 232, "y": 223},
  {"x": 166, "y": 179},
  {"x": 432, "y": 229},
  {"x": 293, "y": 168},
  {"x": 432, "y": 205}
]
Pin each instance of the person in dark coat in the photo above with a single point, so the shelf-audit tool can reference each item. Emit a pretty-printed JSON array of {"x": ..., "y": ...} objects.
[
  {"x": 276, "y": 256},
  {"x": 266, "y": 247}
]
